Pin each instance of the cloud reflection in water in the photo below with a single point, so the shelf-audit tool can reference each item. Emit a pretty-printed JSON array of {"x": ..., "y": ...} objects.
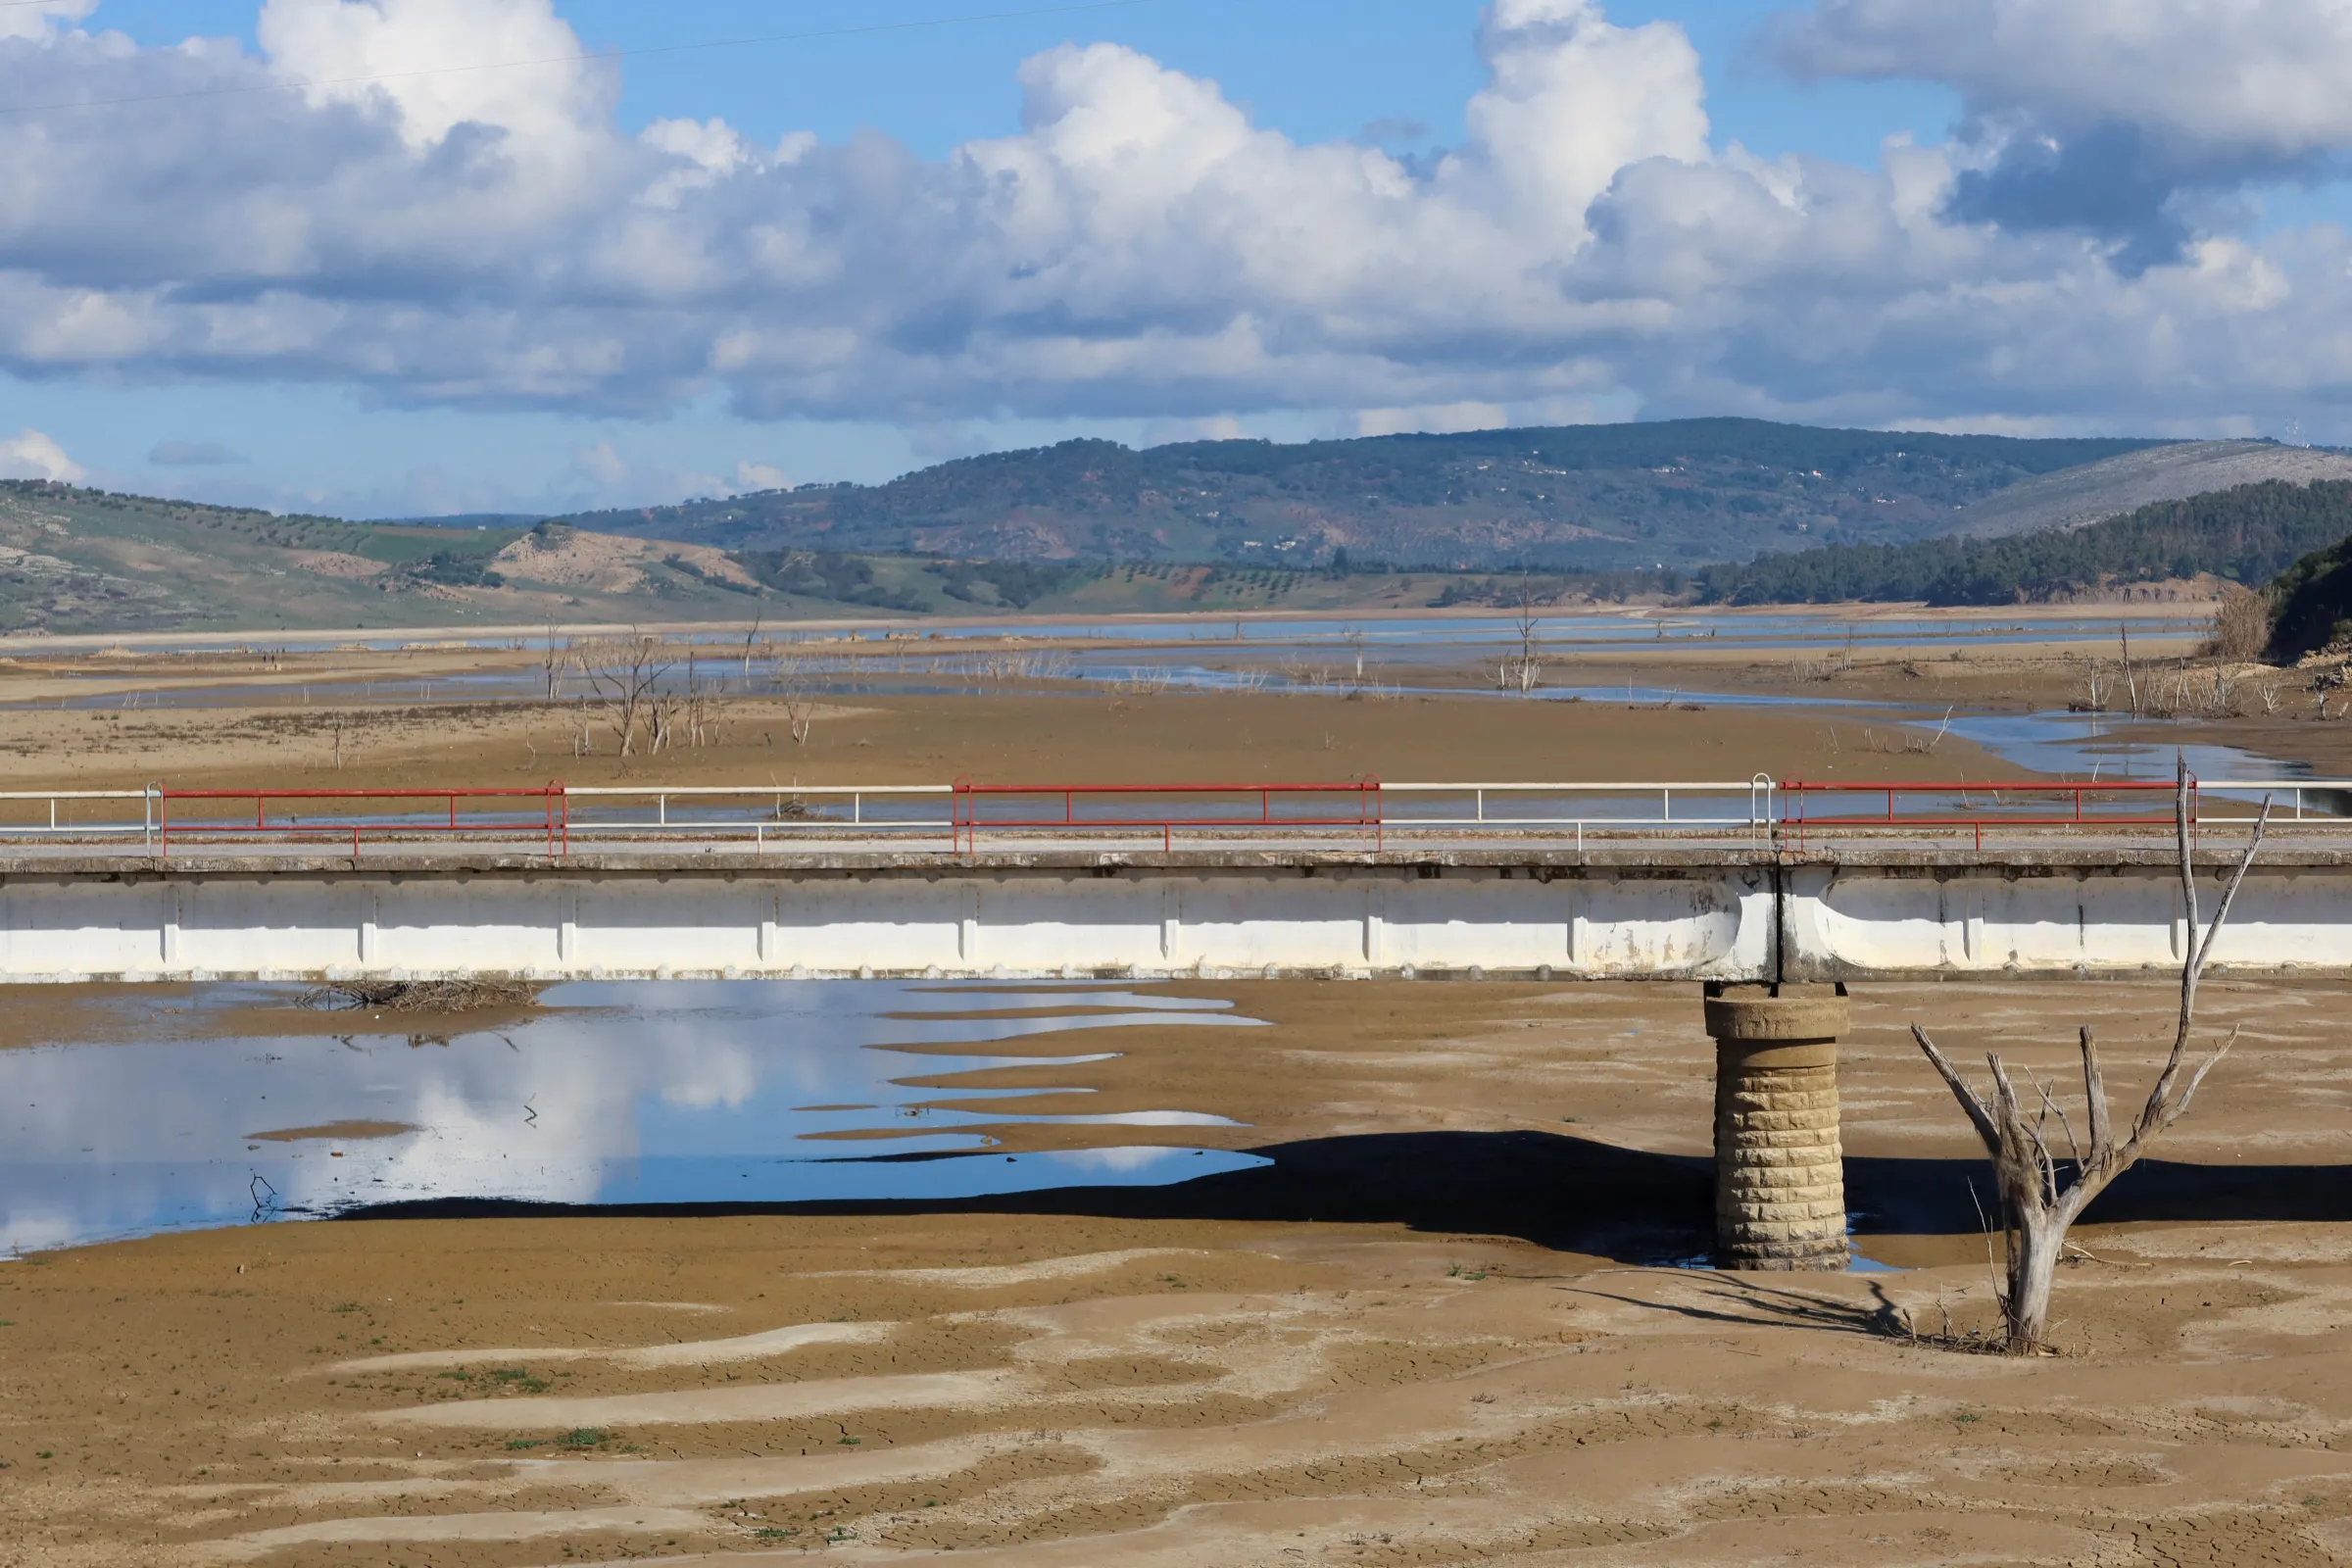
[{"x": 646, "y": 1093}]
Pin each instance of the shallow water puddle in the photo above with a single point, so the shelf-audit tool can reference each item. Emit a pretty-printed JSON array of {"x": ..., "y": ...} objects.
[{"x": 686, "y": 1092}]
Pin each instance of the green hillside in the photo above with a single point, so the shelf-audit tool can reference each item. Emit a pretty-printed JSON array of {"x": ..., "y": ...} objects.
[
  {"x": 1211, "y": 527},
  {"x": 85, "y": 561},
  {"x": 2311, "y": 602},
  {"x": 2248, "y": 534},
  {"x": 1579, "y": 497},
  {"x": 82, "y": 560}
]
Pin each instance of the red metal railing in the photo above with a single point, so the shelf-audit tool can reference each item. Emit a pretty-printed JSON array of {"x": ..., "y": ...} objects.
[
  {"x": 969, "y": 819},
  {"x": 1797, "y": 816},
  {"x": 553, "y": 818}
]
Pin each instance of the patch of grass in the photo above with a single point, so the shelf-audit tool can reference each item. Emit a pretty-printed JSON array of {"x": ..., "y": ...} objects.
[
  {"x": 516, "y": 1377},
  {"x": 526, "y": 1442},
  {"x": 585, "y": 1438},
  {"x": 344, "y": 1307},
  {"x": 1965, "y": 1416},
  {"x": 46, "y": 1454},
  {"x": 773, "y": 1533},
  {"x": 851, "y": 1442},
  {"x": 458, "y": 1377}
]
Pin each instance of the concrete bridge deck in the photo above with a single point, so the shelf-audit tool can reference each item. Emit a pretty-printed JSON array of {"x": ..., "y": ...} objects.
[
  {"x": 1651, "y": 911},
  {"x": 1745, "y": 881}
]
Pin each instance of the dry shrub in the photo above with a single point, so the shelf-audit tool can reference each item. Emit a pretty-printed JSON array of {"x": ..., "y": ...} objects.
[
  {"x": 423, "y": 996},
  {"x": 2241, "y": 626}
]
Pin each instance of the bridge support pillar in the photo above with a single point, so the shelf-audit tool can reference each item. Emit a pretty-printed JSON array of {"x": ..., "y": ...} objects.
[{"x": 1780, "y": 1169}]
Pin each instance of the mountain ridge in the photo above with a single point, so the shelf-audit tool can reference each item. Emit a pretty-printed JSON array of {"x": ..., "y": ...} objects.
[
  {"x": 2078, "y": 497},
  {"x": 1596, "y": 498}
]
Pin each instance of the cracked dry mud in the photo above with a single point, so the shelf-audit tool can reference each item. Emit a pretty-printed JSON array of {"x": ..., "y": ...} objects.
[{"x": 1432, "y": 1342}]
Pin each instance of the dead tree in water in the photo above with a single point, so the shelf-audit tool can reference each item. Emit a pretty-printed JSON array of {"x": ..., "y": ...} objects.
[
  {"x": 1526, "y": 672},
  {"x": 2040, "y": 1200}
]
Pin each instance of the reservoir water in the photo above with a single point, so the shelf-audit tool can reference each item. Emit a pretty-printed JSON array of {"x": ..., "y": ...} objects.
[{"x": 165, "y": 1110}]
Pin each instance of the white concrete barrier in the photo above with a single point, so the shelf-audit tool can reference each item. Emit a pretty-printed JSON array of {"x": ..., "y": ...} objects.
[
  {"x": 1017, "y": 922},
  {"x": 1881, "y": 920},
  {"x": 1711, "y": 914}
]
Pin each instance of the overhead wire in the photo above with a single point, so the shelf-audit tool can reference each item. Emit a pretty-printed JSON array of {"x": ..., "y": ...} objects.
[{"x": 579, "y": 56}]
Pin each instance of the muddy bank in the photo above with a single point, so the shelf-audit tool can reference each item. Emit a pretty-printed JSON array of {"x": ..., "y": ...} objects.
[
  {"x": 1428, "y": 1334},
  {"x": 1091, "y": 737}
]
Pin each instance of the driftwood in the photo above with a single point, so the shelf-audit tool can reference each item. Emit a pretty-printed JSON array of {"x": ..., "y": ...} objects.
[
  {"x": 425, "y": 995},
  {"x": 2041, "y": 1196}
]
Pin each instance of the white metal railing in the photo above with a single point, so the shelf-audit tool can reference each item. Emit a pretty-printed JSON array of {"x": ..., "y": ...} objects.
[
  {"x": 50, "y": 800},
  {"x": 771, "y": 816},
  {"x": 789, "y": 813},
  {"x": 2288, "y": 795},
  {"x": 1755, "y": 819}
]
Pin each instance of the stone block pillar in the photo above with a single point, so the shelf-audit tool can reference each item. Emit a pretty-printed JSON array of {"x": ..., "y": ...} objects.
[{"x": 1780, "y": 1169}]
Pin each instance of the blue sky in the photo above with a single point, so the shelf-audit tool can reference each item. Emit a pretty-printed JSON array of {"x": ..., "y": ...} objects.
[{"x": 322, "y": 427}]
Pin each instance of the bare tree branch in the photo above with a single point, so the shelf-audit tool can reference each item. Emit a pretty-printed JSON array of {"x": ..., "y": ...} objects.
[
  {"x": 2037, "y": 1202},
  {"x": 1979, "y": 1113}
]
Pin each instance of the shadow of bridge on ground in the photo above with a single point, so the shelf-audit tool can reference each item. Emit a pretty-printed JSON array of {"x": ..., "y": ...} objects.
[{"x": 1565, "y": 1193}]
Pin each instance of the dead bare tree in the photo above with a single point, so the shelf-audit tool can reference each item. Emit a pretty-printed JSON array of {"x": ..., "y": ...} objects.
[
  {"x": 552, "y": 661},
  {"x": 2131, "y": 680},
  {"x": 625, "y": 673},
  {"x": 2241, "y": 625},
  {"x": 1528, "y": 672},
  {"x": 702, "y": 708},
  {"x": 2039, "y": 1199},
  {"x": 661, "y": 719},
  {"x": 800, "y": 702}
]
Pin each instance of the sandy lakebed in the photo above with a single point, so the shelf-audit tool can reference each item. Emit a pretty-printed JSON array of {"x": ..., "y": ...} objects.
[{"x": 1446, "y": 1316}]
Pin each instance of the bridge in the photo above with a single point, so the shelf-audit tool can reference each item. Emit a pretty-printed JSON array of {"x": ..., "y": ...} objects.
[
  {"x": 1751, "y": 881},
  {"x": 1775, "y": 895}
]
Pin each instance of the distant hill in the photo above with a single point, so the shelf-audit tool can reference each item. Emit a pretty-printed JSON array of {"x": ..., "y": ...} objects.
[
  {"x": 1091, "y": 528},
  {"x": 1591, "y": 498},
  {"x": 85, "y": 561},
  {"x": 77, "y": 559},
  {"x": 2074, "y": 497},
  {"x": 2248, "y": 534}
]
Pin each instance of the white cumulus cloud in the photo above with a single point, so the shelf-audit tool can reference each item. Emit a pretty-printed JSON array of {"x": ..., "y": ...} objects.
[
  {"x": 1140, "y": 247},
  {"x": 2217, "y": 77},
  {"x": 2125, "y": 118},
  {"x": 34, "y": 19},
  {"x": 30, "y": 455},
  {"x": 601, "y": 463}
]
